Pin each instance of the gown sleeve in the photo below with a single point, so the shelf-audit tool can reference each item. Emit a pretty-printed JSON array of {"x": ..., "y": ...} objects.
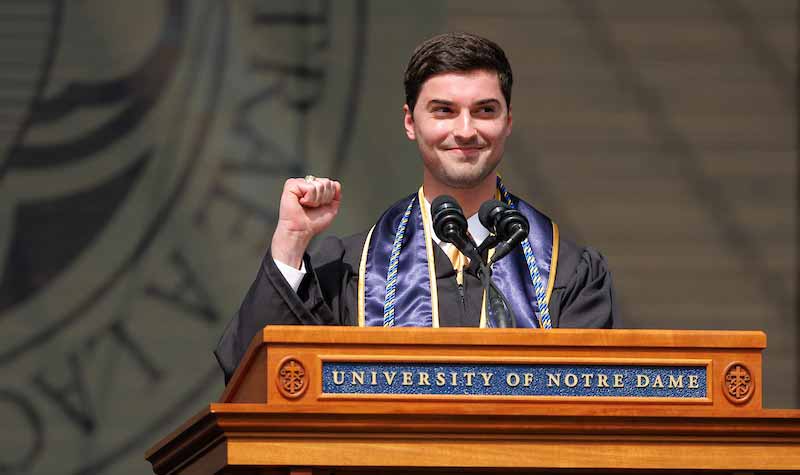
[
  {"x": 323, "y": 298},
  {"x": 583, "y": 295}
]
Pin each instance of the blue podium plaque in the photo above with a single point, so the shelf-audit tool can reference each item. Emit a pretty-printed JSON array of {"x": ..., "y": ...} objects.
[{"x": 646, "y": 381}]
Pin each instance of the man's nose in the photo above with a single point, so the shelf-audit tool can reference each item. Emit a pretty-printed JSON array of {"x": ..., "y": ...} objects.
[{"x": 464, "y": 128}]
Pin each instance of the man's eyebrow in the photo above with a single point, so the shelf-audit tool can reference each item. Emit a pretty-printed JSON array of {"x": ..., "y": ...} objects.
[
  {"x": 487, "y": 101},
  {"x": 440, "y": 102}
]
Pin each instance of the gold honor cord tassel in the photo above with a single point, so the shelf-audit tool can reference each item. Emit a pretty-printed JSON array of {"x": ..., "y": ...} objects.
[{"x": 458, "y": 260}]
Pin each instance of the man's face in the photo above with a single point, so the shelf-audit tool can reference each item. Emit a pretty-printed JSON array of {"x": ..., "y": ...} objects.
[{"x": 460, "y": 123}]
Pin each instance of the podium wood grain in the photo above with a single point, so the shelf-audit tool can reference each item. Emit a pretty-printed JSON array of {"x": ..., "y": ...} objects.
[{"x": 255, "y": 428}]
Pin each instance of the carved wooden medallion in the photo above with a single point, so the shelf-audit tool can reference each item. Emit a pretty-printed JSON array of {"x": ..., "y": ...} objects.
[
  {"x": 739, "y": 385},
  {"x": 292, "y": 380}
]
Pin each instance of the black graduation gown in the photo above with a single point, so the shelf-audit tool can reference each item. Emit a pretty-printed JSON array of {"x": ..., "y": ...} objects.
[{"x": 582, "y": 295}]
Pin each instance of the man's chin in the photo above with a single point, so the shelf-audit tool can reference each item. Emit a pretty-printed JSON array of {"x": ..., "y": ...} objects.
[
  {"x": 464, "y": 181},
  {"x": 470, "y": 155}
]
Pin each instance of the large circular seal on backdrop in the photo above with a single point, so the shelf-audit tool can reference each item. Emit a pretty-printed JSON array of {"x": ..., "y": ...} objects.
[{"x": 148, "y": 143}]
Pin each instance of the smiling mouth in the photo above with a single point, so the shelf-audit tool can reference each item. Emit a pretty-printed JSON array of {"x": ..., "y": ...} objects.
[{"x": 466, "y": 149}]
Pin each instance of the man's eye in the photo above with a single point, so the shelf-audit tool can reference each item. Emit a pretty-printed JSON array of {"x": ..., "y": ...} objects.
[
  {"x": 442, "y": 110},
  {"x": 486, "y": 110}
]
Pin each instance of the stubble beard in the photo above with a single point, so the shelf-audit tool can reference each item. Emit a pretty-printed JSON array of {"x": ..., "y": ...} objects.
[
  {"x": 463, "y": 181},
  {"x": 464, "y": 176}
]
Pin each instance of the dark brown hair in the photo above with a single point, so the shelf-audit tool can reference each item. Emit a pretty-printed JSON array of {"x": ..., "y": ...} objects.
[{"x": 455, "y": 52}]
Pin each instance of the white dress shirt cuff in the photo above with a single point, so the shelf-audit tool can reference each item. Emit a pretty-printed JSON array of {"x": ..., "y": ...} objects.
[{"x": 293, "y": 276}]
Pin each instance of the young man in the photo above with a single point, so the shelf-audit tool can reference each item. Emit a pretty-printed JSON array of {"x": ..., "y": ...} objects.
[{"x": 458, "y": 110}]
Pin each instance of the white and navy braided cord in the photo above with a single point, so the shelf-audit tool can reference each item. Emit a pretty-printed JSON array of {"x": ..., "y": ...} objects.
[
  {"x": 391, "y": 276},
  {"x": 533, "y": 269}
]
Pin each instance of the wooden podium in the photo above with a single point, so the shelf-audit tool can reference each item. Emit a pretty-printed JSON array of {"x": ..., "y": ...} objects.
[{"x": 356, "y": 401}]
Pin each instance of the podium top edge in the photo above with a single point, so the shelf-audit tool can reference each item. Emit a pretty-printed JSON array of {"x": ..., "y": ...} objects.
[{"x": 306, "y": 334}]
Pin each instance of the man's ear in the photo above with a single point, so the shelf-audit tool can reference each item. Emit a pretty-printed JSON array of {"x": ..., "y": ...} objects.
[
  {"x": 408, "y": 122},
  {"x": 510, "y": 121}
]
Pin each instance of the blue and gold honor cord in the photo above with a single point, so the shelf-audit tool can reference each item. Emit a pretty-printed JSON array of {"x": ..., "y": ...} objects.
[
  {"x": 394, "y": 259},
  {"x": 533, "y": 269}
]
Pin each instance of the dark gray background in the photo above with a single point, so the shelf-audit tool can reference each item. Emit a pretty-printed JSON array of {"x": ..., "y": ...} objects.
[{"x": 143, "y": 146}]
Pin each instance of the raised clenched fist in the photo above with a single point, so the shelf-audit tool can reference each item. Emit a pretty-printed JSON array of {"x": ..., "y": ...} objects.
[{"x": 307, "y": 209}]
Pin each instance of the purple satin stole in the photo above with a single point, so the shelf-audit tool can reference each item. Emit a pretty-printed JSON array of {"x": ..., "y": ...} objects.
[{"x": 413, "y": 304}]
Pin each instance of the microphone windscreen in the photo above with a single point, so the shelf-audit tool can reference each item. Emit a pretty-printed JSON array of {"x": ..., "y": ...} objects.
[
  {"x": 447, "y": 217},
  {"x": 444, "y": 200},
  {"x": 488, "y": 213}
]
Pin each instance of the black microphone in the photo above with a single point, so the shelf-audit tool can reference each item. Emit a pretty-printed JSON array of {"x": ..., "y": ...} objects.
[
  {"x": 493, "y": 215},
  {"x": 489, "y": 212},
  {"x": 508, "y": 224},
  {"x": 450, "y": 225}
]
